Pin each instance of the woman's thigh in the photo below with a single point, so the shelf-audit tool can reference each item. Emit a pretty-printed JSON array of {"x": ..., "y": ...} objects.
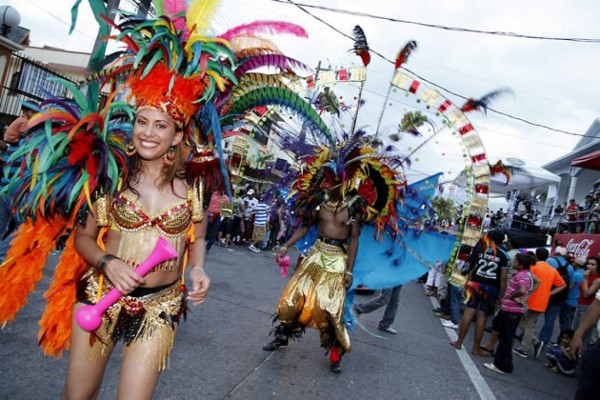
[{"x": 86, "y": 363}]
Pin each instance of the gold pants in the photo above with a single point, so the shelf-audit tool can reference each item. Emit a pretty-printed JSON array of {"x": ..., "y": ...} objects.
[
  {"x": 315, "y": 295},
  {"x": 150, "y": 317}
]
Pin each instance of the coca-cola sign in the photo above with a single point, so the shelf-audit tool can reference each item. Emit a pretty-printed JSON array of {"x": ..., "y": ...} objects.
[{"x": 583, "y": 246}]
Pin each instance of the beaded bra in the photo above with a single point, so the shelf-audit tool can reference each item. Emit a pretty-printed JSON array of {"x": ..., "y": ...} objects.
[
  {"x": 139, "y": 229},
  {"x": 130, "y": 215}
]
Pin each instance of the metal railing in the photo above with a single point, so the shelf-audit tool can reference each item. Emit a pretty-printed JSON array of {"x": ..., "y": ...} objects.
[{"x": 27, "y": 80}]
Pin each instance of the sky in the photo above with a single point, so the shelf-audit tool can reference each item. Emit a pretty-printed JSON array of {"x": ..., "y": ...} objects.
[{"x": 553, "y": 83}]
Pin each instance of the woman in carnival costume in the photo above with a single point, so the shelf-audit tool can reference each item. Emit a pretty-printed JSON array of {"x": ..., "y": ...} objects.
[
  {"x": 121, "y": 177},
  {"x": 342, "y": 188}
]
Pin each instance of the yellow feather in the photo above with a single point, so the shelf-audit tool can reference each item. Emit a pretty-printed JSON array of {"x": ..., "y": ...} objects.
[
  {"x": 196, "y": 37},
  {"x": 200, "y": 14},
  {"x": 36, "y": 164},
  {"x": 88, "y": 197},
  {"x": 220, "y": 82}
]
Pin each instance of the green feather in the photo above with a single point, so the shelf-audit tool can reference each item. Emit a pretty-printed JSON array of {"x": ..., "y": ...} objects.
[
  {"x": 279, "y": 96},
  {"x": 77, "y": 188}
]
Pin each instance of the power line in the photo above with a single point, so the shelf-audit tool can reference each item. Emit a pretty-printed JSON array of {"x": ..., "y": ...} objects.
[
  {"x": 443, "y": 27},
  {"x": 59, "y": 19},
  {"x": 300, "y": 6}
]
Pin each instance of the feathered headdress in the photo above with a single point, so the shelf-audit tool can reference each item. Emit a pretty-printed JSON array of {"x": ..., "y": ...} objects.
[{"x": 369, "y": 183}]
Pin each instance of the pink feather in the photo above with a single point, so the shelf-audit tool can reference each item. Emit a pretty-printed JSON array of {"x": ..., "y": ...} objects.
[
  {"x": 176, "y": 9},
  {"x": 270, "y": 27}
]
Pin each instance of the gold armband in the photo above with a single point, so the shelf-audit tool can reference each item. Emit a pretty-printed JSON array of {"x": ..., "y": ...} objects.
[
  {"x": 101, "y": 209},
  {"x": 196, "y": 196}
]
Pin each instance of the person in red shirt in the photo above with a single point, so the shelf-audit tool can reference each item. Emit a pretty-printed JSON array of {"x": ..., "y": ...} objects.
[
  {"x": 19, "y": 126},
  {"x": 587, "y": 290},
  {"x": 571, "y": 212},
  {"x": 550, "y": 283}
]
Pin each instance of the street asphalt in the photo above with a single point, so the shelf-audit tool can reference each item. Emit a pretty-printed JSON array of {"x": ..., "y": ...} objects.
[{"x": 218, "y": 351}]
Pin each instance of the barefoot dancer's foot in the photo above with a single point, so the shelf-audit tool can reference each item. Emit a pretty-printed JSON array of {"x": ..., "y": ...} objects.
[
  {"x": 480, "y": 352},
  {"x": 456, "y": 345}
]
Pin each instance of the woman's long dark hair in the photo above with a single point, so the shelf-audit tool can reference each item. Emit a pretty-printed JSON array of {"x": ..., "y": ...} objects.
[
  {"x": 171, "y": 172},
  {"x": 525, "y": 260}
]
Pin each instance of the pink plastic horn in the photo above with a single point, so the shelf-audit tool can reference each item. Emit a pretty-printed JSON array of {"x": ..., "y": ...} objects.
[{"x": 89, "y": 317}]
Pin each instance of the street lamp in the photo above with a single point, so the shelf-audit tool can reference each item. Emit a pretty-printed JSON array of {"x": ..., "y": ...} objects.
[{"x": 9, "y": 18}]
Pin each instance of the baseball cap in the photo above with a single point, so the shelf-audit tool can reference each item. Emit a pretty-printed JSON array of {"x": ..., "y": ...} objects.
[
  {"x": 561, "y": 251},
  {"x": 579, "y": 261},
  {"x": 250, "y": 191}
]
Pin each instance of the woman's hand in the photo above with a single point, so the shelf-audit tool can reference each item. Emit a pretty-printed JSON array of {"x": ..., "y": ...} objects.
[
  {"x": 122, "y": 276},
  {"x": 200, "y": 286}
]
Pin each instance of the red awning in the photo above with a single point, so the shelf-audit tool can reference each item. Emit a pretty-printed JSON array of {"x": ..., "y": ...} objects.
[{"x": 589, "y": 161}]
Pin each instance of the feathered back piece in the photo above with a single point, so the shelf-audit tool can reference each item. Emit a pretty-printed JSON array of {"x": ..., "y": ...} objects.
[
  {"x": 369, "y": 183},
  {"x": 72, "y": 155}
]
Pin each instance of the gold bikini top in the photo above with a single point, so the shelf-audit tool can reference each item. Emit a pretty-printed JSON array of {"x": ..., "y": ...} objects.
[
  {"x": 127, "y": 214},
  {"x": 139, "y": 229},
  {"x": 124, "y": 213}
]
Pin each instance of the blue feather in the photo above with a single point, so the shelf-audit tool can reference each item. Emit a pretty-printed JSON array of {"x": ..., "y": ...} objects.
[{"x": 211, "y": 115}]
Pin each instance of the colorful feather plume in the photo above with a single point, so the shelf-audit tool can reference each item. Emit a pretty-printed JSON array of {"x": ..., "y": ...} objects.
[
  {"x": 361, "y": 48},
  {"x": 483, "y": 103},
  {"x": 69, "y": 158},
  {"x": 282, "y": 97},
  {"x": 403, "y": 54},
  {"x": 268, "y": 27},
  {"x": 269, "y": 60}
]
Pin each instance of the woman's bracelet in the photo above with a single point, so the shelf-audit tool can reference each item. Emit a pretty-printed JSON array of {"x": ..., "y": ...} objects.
[
  {"x": 283, "y": 248},
  {"x": 197, "y": 267},
  {"x": 349, "y": 273},
  {"x": 104, "y": 260}
]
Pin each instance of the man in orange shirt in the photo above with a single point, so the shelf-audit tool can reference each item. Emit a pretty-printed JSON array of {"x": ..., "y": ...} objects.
[
  {"x": 19, "y": 126},
  {"x": 550, "y": 283}
]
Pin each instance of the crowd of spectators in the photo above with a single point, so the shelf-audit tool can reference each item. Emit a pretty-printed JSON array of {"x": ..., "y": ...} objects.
[
  {"x": 539, "y": 301},
  {"x": 583, "y": 217},
  {"x": 260, "y": 221}
]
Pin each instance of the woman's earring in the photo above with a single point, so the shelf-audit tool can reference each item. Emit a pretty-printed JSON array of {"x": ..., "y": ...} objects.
[
  {"x": 130, "y": 150},
  {"x": 169, "y": 157}
]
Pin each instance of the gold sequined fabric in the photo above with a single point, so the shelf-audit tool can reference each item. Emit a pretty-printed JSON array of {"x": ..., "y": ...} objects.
[
  {"x": 139, "y": 230},
  {"x": 101, "y": 208},
  {"x": 149, "y": 320},
  {"x": 315, "y": 295},
  {"x": 130, "y": 215}
]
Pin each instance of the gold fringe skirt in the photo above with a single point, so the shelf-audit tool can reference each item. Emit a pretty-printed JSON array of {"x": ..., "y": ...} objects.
[
  {"x": 315, "y": 295},
  {"x": 149, "y": 319}
]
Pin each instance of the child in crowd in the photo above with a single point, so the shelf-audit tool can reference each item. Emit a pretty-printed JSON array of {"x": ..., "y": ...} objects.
[{"x": 558, "y": 355}]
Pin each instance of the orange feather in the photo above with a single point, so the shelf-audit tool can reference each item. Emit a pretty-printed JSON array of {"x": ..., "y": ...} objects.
[
  {"x": 55, "y": 325},
  {"x": 24, "y": 263}
]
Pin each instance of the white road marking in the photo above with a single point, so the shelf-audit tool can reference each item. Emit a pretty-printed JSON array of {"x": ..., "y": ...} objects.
[{"x": 479, "y": 382}]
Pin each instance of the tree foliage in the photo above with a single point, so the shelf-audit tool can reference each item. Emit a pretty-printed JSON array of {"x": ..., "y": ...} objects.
[{"x": 444, "y": 208}]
